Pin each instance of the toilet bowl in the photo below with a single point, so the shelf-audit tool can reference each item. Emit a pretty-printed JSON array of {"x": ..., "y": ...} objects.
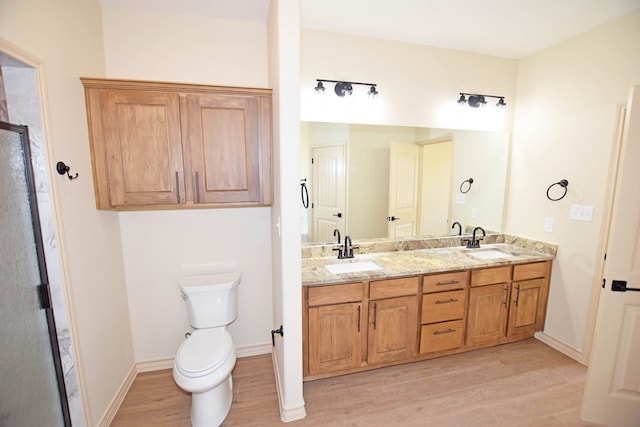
[{"x": 204, "y": 361}]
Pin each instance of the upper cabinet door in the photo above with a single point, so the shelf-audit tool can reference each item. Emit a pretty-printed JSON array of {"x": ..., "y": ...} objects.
[
  {"x": 141, "y": 141},
  {"x": 225, "y": 143},
  {"x": 170, "y": 145}
]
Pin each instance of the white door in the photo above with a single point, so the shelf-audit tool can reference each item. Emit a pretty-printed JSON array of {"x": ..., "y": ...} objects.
[
  {"x": 612, "y": 393},
  {"x": 328, "y": 192},
  {"x": 435, "y": 189},
  {"x": 404, "y": 162}
]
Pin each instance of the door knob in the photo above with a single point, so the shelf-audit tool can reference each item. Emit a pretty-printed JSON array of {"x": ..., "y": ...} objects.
[
  {"x": 392, "y": 218},
  {"x": 339, "y": 214}
]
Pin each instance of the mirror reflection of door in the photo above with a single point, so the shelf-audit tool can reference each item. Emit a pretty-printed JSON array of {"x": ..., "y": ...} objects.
[
  {"x": 404, "y": 162},
  {"x": 328, "y": 191},
  {"x": 436, "y": 166}
]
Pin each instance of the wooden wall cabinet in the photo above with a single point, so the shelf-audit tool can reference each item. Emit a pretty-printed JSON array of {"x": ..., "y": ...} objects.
[{"x": 168, "y": 145}]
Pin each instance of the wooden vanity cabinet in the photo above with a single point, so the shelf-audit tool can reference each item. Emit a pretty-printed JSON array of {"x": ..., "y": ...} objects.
[
  {"x": 444, "y": 305},
  {"x": 507, "y": 303},
  {"x": 335, "y": 328},
  {"x": 351, "y": 327},
  {"x": 393, "y": 319},
  {"x": 488, "y": 305},
  {"x": 167, "y": 145},
  {"x": 528, "y": 306}
]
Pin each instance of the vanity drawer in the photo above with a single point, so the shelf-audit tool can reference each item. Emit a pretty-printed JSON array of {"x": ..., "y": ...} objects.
[
  {"x": 441, "y": 336},
  {"x": 445, "y": 282},
  {"x": 530, "y": 271},
  {"x": 393, "y": 288},
  {"x": 335, "y": 294},
  {"x": 490, "y": 276},
  {"x": 443, "y": 306}
]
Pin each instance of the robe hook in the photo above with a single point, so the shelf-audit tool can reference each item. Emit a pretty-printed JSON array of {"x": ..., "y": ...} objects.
[{"x": 62, "y": 169}]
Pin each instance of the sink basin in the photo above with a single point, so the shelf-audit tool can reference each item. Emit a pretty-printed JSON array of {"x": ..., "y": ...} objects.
[
  {"x": 353, "y": 267},
  {"x": 489, "y": 254}
]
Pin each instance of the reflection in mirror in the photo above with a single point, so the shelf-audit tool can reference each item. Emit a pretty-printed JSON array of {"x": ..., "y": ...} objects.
[{"x": 372, "y": 181}]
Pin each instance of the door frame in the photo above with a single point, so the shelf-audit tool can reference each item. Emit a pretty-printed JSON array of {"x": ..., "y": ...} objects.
[
  {"x": 74, "y": 379},
  {"x": 603, "y": 240}
]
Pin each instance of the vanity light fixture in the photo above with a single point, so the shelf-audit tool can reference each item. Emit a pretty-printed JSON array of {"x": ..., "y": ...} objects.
[
  {"x": 479, "y": 101},
  {"x": 345, "y": 88}
]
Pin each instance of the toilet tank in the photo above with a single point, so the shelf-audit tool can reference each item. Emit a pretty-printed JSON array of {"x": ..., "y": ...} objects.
[{"x": 212, "y": 299}]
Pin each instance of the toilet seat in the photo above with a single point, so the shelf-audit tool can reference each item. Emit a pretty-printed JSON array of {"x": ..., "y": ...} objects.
[{"x": 203, "y": 352}]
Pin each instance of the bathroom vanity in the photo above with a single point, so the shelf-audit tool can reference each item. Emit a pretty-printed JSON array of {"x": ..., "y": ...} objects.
[{"x": 387, "y": 308}]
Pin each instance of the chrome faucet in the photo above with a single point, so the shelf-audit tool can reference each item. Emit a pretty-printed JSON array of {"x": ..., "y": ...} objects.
[
  {"x": 459, "y": 227},
  {"x": 475, "y": 243}
]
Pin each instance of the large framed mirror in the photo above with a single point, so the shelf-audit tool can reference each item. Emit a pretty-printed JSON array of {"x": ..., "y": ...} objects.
[{"x": 374, "y": 181}]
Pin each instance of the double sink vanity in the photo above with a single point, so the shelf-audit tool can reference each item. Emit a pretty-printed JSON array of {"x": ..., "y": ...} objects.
[{"x": 409, "y": 300}]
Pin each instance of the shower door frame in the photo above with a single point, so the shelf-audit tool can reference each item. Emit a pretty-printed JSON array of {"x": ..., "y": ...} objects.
[{"x": 43, "y": 289}]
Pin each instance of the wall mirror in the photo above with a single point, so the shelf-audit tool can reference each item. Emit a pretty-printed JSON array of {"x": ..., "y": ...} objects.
[{"x": 375, "y": 181}]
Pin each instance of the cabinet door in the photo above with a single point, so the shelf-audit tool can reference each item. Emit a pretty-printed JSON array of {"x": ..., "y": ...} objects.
[
  {"x": 229, "y": 148},
  {"x": 335, "y": 338},
  {"x": 142, "y": 148},
  {"x": 393, "y": 328},
  {"x": 526, "y": 312},
  {"x": 487, "y": 317}
]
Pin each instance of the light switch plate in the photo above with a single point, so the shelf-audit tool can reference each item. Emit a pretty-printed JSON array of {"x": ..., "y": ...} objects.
[
  {"x": 474, "y": 213},
  {"x": 581, "y": 213},
  {"x": 548, "y": 225},
  {"x": 460, "y": 199}
]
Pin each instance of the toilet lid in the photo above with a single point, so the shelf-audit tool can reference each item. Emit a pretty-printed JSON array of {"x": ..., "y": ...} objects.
[{"x": 204, "y": 351}]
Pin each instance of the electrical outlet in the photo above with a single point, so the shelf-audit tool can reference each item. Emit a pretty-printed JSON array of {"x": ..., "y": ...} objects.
[
  {"x": 548, "y": 225},
  {"x": 474, "y": 213},
  {"x": 581, "y": 213}
]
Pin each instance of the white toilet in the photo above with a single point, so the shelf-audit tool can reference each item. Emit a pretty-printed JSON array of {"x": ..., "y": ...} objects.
[{"x": 204, "y": 361}]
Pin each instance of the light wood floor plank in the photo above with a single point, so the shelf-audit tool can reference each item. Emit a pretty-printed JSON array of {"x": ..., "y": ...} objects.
[{"x": 521, "y": 384}]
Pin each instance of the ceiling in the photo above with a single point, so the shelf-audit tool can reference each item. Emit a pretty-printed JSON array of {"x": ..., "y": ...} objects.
[{"x": 506, "y": 28}]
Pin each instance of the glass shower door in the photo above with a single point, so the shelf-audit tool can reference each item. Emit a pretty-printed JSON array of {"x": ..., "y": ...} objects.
[{"x": 31, "y": 381}]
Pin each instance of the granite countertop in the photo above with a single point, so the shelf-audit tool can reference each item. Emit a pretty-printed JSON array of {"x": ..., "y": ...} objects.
[{"x": 414, "y": 262}]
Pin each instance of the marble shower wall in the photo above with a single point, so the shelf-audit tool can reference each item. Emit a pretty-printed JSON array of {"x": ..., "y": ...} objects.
[{"x": 23, "y": 103}]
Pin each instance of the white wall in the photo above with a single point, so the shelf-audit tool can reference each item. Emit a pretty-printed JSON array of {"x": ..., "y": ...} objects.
[
  {"x": 65, "y": 39},
  {"x": 284, "y": 63},
  {"x": 565, "y": 122},
  {"x": 159, "y": 246},
  {"x": 418, "y": 85}
]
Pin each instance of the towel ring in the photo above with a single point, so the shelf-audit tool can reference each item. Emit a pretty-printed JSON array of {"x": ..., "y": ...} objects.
[
  {"x": 562, "y": 183},
  {"x": 469, "y": 181}
]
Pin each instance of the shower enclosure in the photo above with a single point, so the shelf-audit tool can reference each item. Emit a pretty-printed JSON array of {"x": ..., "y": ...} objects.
[{"x": 32, "y": 390}]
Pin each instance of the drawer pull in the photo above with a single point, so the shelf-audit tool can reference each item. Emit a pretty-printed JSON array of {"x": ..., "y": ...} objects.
[
  {"x": 447, "y": 301},
  {"x": 448, "y": 331},
  {"x": 450, "y": 282},
  {"x": 358, "y": 318}
]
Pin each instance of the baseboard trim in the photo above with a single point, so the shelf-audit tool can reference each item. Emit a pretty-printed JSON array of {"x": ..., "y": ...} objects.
[
  {"x": 167, "y": 362},
  {"x": 117, "y": 400},
  {"x": 155, "y": 364},
  {"x": 563, "y": 348},
  {"x": 253, "y": 350},
  {"x": 286, "y": 414}
]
